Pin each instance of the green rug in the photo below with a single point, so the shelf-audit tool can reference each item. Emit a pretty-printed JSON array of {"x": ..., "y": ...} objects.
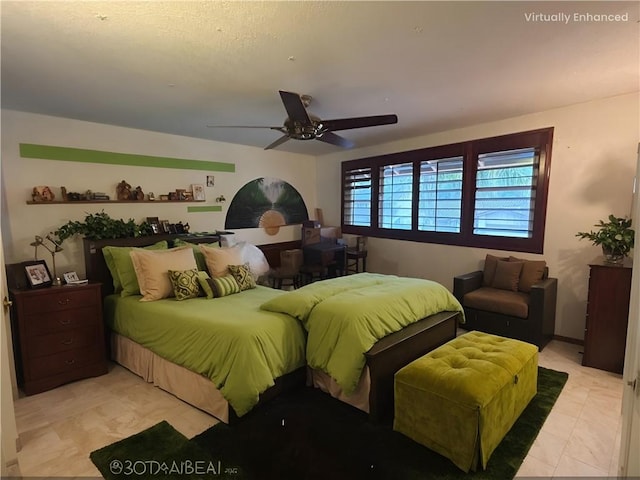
[{"x": 309, "y": 435}]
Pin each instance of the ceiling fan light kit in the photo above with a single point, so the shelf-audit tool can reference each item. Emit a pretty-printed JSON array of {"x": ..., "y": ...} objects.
[{"x": 300, "y": 125}]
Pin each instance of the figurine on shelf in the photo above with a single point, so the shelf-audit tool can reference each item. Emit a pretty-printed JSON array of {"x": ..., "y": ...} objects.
[
  {"x": 42, "y": 194},
  {"x": 123, "y": 191},
  {"x": 63, "y": 192},
  {"x": 137, "y": 194}
]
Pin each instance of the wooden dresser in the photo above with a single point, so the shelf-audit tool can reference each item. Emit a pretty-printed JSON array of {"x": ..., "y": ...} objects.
[
  {"x": 607, "y": 317},
  {"x": 58, "y": 335}
]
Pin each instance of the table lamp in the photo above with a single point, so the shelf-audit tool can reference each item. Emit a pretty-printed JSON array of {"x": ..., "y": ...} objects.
[{"x": 53, "y": 249}]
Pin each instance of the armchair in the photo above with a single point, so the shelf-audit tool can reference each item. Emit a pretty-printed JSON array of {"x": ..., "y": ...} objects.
[{"x": 511, "y": 297}]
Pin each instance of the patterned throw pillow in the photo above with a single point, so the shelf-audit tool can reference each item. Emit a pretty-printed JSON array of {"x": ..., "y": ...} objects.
[
  {"x": 223, "y": 286},
  {"x": 185, "y": 283},
  {"x": 242, "y": 274}
]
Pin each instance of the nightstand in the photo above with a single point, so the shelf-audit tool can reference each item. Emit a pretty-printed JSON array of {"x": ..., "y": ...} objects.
[{"x": 58, "y": 335}]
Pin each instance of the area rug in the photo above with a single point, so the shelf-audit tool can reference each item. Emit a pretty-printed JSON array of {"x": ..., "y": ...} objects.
[{"x": 309, "y": 435}]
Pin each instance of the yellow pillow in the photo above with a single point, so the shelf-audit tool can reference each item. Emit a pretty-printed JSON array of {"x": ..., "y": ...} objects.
[
  {"x": 219, "y": 259},
  {"x": 119, "y": 263},
  {"x": 152, "y": 270}
]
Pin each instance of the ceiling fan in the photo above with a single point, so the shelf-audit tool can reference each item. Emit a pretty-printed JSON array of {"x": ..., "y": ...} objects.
[{"x": 301, "y": 125}]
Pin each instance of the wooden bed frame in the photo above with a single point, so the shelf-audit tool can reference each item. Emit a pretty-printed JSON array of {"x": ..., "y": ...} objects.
[{"x": 385, "y": 358}]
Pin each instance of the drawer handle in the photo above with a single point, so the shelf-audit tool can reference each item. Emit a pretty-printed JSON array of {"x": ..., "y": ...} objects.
[
  {"x": 67, "y": 342},
  {"x": 70, "y": 362},
  {"x": 66, "y": 321},
  {"x": 64, "y": 302}
]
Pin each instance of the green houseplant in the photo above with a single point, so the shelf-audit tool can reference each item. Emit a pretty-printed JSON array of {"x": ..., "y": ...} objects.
[
  {"x": 97, "y": 226},
  {"x": 615, "y": 237}
]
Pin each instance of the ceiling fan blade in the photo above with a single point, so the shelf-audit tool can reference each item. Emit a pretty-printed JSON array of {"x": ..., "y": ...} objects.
[
  {"x": 279, "y": 141},
  {"x": 359, "y": 122},
  {"x": 295, "y": 108},
  {"x": 332, "y": 138},
  {"x": 241, "y": 126}
]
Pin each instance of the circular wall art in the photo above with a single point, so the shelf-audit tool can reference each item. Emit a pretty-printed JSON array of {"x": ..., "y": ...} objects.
[{"x": 268, "y": 203}]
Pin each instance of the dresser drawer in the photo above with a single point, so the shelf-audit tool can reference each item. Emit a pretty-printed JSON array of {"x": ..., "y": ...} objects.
[
  {"x": 61, "y": 321},
  {"x": 61, "y": 300},
  {"x": 42, "y": 367},
  {"x": 44, "y": 345}
]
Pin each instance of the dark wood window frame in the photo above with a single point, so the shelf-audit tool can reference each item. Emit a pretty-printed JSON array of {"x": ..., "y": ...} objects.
[{"x": 540, "y": 139}]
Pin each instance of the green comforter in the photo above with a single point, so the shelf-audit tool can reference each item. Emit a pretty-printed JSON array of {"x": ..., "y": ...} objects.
[
  {"x": 230, "y": 340},
  {"x": 346, "y": 316}
]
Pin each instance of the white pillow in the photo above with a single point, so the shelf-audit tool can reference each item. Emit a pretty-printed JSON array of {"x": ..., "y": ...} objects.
[
  {"x": 228, "y": 240},
  {"x": 252, "y": 255},
  {"x": 152, "y": 270}
]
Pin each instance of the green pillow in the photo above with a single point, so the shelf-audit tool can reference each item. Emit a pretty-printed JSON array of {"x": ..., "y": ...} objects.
[
  {"x": 204, "y": 285},
  {"x": 121, "y": 267},
  {"x": 200, "y": 261},
  {"x": 243, "y": 276},
  {"x": 223, "y": 286},
  {"x": 185, "y": 283}
]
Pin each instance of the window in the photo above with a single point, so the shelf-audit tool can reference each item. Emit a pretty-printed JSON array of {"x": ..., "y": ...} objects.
[
  {"x": 489, "y": 193},
  {"x": 440, "y": 195},
  {"x": 395, "y": 197},
  {"x": 356, "y": 203}
]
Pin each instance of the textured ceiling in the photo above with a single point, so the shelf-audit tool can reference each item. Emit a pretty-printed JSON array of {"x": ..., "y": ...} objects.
[{"x": 178, "y": 66}]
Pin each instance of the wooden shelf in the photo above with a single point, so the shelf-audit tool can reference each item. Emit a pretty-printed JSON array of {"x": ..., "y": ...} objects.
[{"x": 72, "y": 202}]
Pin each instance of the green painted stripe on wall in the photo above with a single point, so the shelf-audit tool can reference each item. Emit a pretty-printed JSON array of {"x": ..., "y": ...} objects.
[
  {"x": 208, "y": 208},
  {"x": 68, "y": 154}
]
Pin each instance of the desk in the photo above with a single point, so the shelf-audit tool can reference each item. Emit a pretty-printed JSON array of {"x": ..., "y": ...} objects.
[
  {"x": 324, "y": 258},
  {"x": 353, "y": 260}
]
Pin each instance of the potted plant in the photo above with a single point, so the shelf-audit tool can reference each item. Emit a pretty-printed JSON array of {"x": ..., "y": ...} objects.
[
  {"x": 100, "y": 225},
  {"x": 615, "y": 237}
]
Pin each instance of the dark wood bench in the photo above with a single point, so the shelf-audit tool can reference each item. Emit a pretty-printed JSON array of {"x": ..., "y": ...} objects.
[{"x": 395, "y": 351}]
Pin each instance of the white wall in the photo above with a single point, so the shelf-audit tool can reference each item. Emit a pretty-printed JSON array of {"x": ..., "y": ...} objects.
[
  {"x": 592, "y": 167},
  {"x": 592, "y": 170},
  {"x": 21, "y": 222}
]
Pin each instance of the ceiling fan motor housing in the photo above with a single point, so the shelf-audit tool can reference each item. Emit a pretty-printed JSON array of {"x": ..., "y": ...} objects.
[{"x": 304, "y": 131}]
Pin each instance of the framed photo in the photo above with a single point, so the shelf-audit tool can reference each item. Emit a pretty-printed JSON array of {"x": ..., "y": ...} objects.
[
  {"x": 154, "y": 223},
  {"x": 70, "y": 277},
  {"x": 198, "y": 193},
  {"x": 37, "y": 273},
  {"x": 164, "y": 226},
  {"x": 211, "y": 181}
]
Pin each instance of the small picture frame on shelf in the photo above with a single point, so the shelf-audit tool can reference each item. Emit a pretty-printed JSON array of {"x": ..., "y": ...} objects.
[
  {"x": 37, "y": 273},
  {"x": 164, "y": 226},
  {"x": 154, "y": 223},
  {"x": 198, "y": 192},
  {"x": 164, "y": 198},
  {"x": 211, "y": 181}
]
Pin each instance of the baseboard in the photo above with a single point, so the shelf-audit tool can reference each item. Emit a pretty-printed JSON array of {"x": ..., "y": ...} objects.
[{"x": 575, "y": 341}]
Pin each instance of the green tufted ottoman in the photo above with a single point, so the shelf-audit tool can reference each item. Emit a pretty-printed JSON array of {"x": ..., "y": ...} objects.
[{"x": 462, "y": 398}]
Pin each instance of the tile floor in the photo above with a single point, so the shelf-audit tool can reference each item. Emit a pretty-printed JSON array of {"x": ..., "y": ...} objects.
[{"x": 58, "y": 429}]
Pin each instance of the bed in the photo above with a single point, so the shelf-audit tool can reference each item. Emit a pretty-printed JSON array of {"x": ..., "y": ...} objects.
[
  {"x": 371, "y": 391},
  {"x": 362, "y": 328}
]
